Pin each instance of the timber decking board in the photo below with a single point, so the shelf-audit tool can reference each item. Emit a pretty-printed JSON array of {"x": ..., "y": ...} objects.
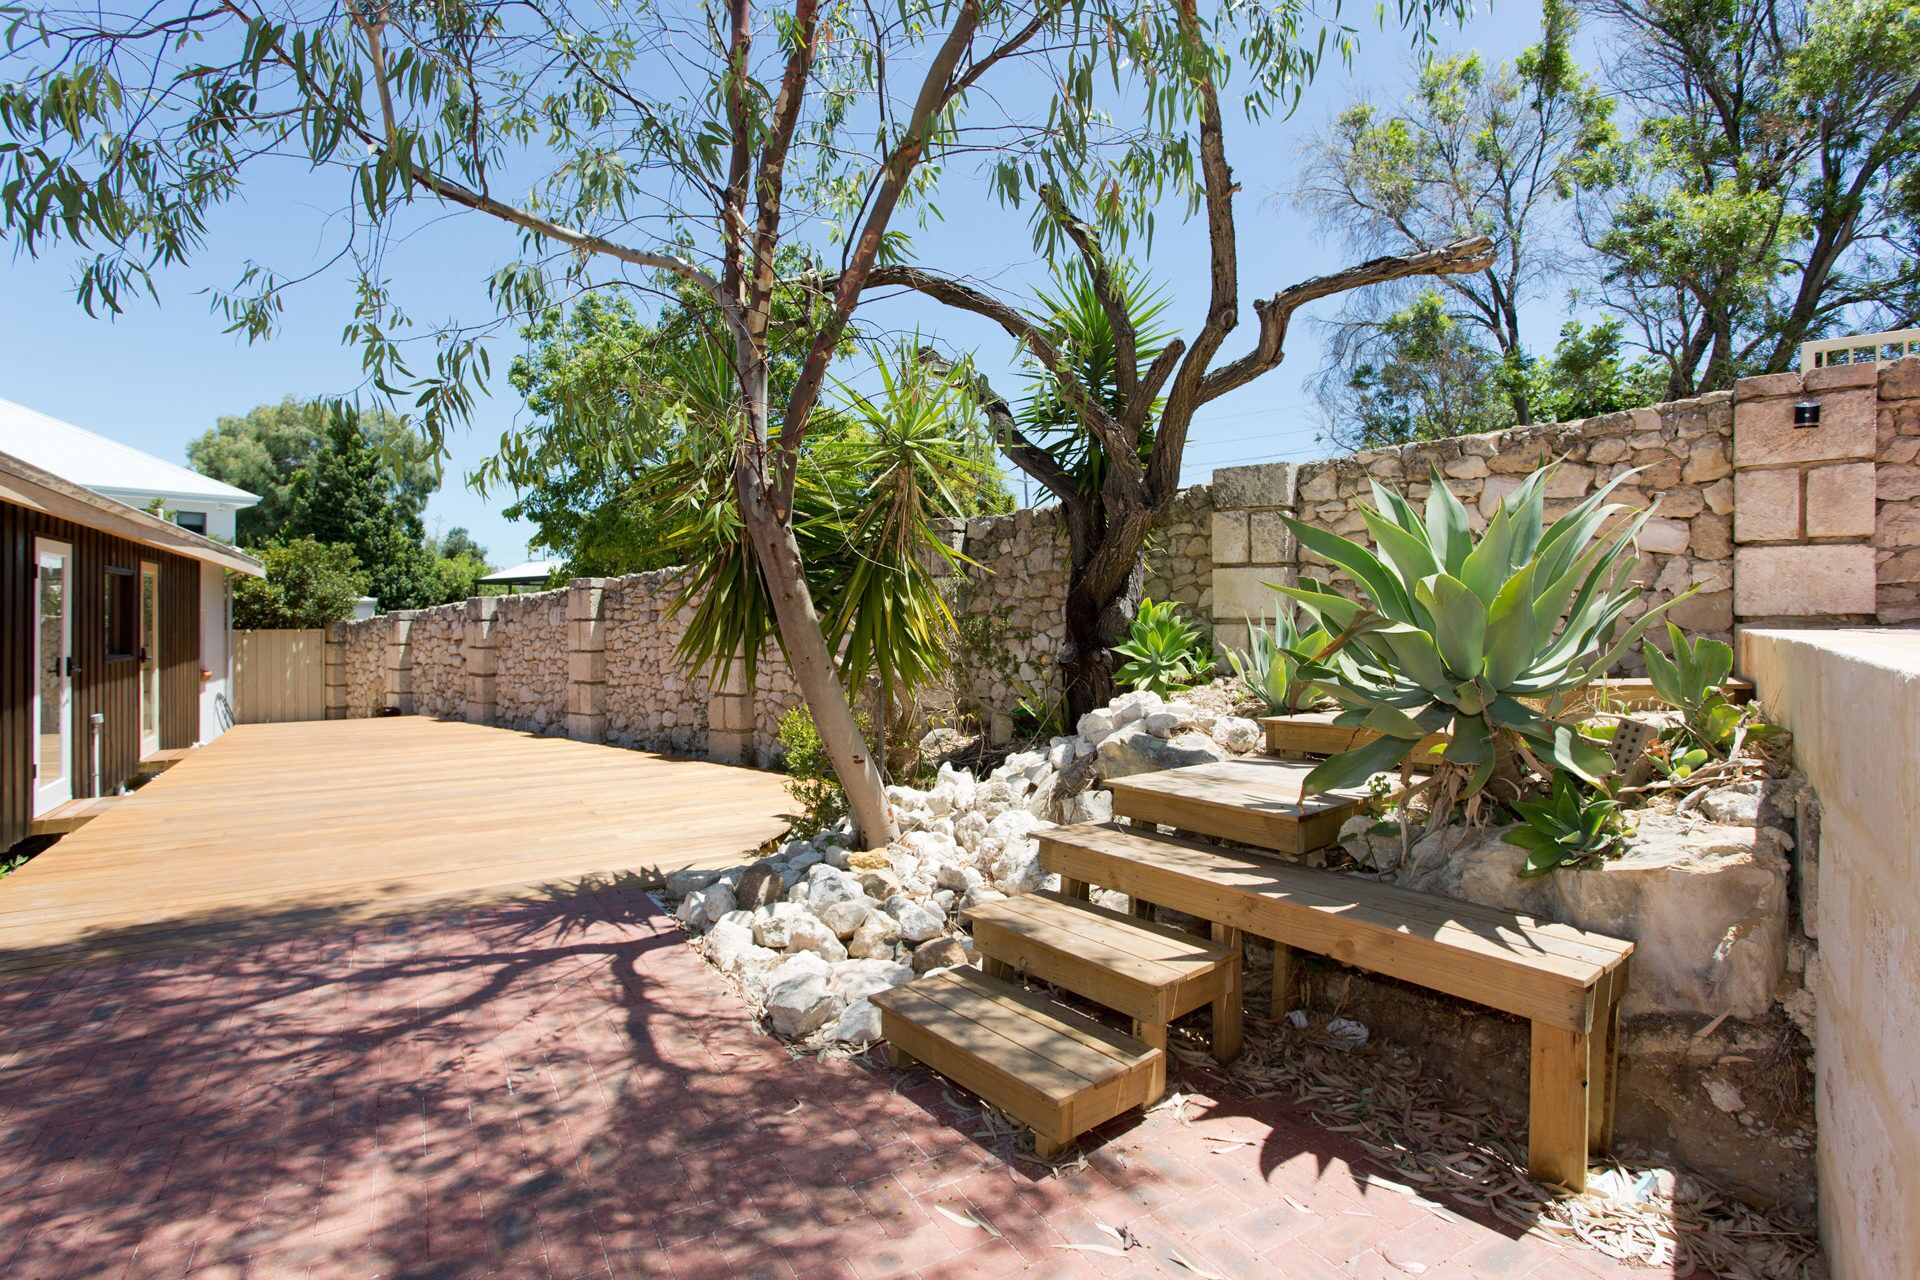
[
  {"x": 1138, "y": 950},
  {"x": 277, "y": 827},
  {"x": 1251, "y": 801},
  {"x": 1547, "y": 973},
  {"x": 1313, "y": 733}
]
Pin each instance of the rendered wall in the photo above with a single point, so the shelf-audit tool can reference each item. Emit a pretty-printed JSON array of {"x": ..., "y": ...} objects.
[{"x": 1852, "y": 700}]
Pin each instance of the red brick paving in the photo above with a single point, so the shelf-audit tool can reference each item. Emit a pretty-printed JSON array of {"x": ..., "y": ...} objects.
[{"x": 565, "y": 1091}]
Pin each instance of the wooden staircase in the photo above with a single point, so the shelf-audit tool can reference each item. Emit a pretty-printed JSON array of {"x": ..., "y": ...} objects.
[{"x": 1061, "y": 1072}]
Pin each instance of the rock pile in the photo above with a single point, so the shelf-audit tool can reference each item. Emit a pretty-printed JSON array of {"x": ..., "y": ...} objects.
[{"x": 812, "y": 930}]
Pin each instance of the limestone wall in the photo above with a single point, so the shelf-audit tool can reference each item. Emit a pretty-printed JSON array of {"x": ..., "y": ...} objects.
[
  {"x": 437, "y": 640},
  {"x": 1683, "y": 450},
  {"x": 1852, "y": 700},
  {"x": 1896, "y": 529},
  {"x": 530, "y": 643},
  {"x": 650, "y": 701},
  {"x": 355, "y": 673}
]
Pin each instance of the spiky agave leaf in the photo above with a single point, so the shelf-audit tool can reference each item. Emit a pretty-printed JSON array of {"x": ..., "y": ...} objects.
[{"x": 1460, "y": 629}]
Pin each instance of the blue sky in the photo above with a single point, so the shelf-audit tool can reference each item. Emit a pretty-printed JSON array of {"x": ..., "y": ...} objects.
[{"x": 159, "y": 375}]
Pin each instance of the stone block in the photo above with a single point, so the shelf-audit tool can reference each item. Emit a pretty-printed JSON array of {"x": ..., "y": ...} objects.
[
  {"x": 586, "y": 634},
  {"x": 1229, "y": 537},
  {"x": 1764, "y": 434},
  {"x": 729, "y": 747},
  {"x": 1803, "y": 582},
  {"x": 589, "y": 667},
  {"x": 586, "y": 699},
  {"x": 1897, "y": 526},
  {"x": 1230, "y": 635},
  {"x": 1835, "y": 376},
  {"x": 1766, "y": 506},
  {"x": 1265, "y": 484},
  {"x": 586, "y": 727},
  {"x": 482, "y": 660},
  {"x": 1269, "y": 541},
  {"x": 1901, "y": 379},
  {"x": 1664, "y": 537},
  {"x": 1242, "y": 593},
  {"x": 1840, "y": 501},
  {"x": 482, "y": 608},
  {"x": 731, "y": 714},
  {"x": 1769, "y": 384},
  {"x": 584, "y": 598}
]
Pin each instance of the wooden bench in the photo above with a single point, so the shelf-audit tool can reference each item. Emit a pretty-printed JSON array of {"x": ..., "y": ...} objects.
[
  {"x": 1050, "y": 1068},
  {"x": 1567, "y": 982},
  {"x": 1252, "y": 801},
  {"x": 1149, "y": 972}
]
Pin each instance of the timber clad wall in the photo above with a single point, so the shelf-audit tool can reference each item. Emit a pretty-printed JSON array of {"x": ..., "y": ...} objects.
[{"x": 108, "y": 688}]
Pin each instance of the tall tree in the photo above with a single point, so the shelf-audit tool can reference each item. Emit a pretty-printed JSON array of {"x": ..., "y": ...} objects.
[
  {"x": 1127, "y": 405},
  {"x": 1472, "y": 150},
  {"x": 1418, "y": 374},
  {"x": 347, "y": 498},
  {"x": 264, "y": 449},
  {"x": 1763, "y": 195},
  {"x": 651, "y": 141}
]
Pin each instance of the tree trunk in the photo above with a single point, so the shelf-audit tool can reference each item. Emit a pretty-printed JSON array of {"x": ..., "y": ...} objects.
[
  {"x": 812, "y": 663},
  {"x": 1104, "y": 581}
]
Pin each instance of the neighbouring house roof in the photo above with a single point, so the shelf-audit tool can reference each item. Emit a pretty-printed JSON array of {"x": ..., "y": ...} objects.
[
  {"x": 520, "y": 575},
  {"x": 27, "y": 485},
  {"x": 105, "y": 465}
]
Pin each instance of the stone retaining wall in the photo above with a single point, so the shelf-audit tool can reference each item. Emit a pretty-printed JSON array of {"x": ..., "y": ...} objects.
[{"x": 1770, "y": 521}]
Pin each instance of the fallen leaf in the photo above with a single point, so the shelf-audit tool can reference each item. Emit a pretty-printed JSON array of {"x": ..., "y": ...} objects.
[
  {"x": 1095, "y": 1248},
  {"x": 1200, "y": 1271},
  {"x": 969, "y": 1220}
]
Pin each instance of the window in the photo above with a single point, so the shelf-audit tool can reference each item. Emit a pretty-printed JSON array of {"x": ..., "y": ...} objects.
[
  {"x": 191, "y": 521},
  {"x": 122, "y": 614}
]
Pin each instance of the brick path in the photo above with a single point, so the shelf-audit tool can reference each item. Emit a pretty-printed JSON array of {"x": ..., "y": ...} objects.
[{"x": 565, "y": 1090}]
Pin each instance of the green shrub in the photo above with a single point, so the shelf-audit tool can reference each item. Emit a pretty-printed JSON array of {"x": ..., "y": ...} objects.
[
  {"x": 308, "y": 584},
  {"x": 1164, "y": 651},
  {"x": 810, "y": 777}
]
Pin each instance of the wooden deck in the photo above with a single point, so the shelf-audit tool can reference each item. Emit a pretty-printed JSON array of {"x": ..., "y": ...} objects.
[{"x": 276, "y": 828}]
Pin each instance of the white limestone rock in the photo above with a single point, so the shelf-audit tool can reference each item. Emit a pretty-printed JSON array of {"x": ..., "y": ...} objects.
[
  {"x": 810, "y": 933},
  {"x": 858, "y": 979},
  {"x": 844, "y": 918},
  {"x": 718, "y": 900},
  {"x": 859, "y": 1024},
  {"x": 1132, "y": 750},
  {"x": 1238, "y": 734},
  {"x": 800, "y": 998},
  {"x": 772, "y": 927},
  {"x": 1376, "y": 850},
  {"x": 876, "y": 936},
  {"x": 918, "y": 921},
  {"x": 834, "y": 886},
  {"x": 1088, "y": 806},
  {"x": 681, "y": 883}
]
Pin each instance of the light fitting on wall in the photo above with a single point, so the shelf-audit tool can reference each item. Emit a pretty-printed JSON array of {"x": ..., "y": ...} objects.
[{"x": 1806, "y": 413}]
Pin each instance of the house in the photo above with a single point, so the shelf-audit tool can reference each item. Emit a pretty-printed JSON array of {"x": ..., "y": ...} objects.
[
  {"x": 114, "y": 624},
  {"x": 192, "y": 501},
  {"x": 534, "y": 573}
]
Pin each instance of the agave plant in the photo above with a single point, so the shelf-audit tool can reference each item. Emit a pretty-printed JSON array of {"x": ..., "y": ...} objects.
[
  {"x": 1270, "y": 666},
  {"x": 1474, "y": 634},
  {"x": 1690, "y": 682},
  {"x": 1163, "y": 650},
  {"x": 1569, "y": 827}
]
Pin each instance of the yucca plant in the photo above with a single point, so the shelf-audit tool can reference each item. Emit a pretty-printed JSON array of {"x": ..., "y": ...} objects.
[
  {"x": 1163, "y": 651},
  {"x": 1460, "y": 633},
  {"x": 1568, "y": 827},
  {"x": 1269, "y": 666}
]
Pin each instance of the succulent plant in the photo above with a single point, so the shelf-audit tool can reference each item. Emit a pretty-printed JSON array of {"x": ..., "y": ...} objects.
[
  {"x": 1163, "y": 650},
  {"x": 1691, "y": 683},
  {"x": 1275, "y": 651},
  {"x": 1479, "y": 636},
  {"x": 1569, "y": 826}
]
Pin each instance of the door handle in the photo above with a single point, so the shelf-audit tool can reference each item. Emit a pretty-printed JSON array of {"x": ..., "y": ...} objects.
[{"x": 73, "y": 668}]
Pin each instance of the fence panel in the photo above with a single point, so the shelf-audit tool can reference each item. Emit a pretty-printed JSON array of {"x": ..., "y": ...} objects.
[{"x": 279, "y": 675}]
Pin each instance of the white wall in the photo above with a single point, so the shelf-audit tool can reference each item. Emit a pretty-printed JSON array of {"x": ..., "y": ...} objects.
[
  {"x": 1852, "y": 699},
  {"x": 216, "y": 648}
]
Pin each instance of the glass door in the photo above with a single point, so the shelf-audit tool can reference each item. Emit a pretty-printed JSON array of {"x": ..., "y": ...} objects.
[
  {"x": 149, "y": 658},
  {"x": 53, "y": 673}
]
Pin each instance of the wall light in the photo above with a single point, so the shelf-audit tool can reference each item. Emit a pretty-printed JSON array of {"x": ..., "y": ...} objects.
[{"x": 1806, "y": 413}]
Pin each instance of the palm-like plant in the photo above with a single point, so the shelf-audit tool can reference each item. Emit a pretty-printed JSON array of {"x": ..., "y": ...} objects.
[
  {"x": 1163, "y": 651},
  {"x": 1468, "y": 632}
]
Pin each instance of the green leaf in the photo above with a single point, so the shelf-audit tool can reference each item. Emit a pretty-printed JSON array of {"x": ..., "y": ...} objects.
[
  {"x": 1352, "y": 768},
  {"x": 1459, "y": 623}
]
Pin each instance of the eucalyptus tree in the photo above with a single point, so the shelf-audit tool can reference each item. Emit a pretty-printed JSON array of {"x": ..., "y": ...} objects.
[
  {"x": 1767, "y": 189},
  {"x": 1471, "y": 150},
  {"x": 1108, "y": 424},
  {"x": 624, "y": 143}
]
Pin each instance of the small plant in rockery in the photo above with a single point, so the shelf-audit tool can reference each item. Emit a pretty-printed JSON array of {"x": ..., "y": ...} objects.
[
  {"x": 810, "y": 778},
  {"x": 1164, "y": 651},
  {"x": 1039, "y": 713},
  {"x": 1571, "y": 826},
  {"x": 1270, "y": 665},
  {"x": 1482, "y": 637}
]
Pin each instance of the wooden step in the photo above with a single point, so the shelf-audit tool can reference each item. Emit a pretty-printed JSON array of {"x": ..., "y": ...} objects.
[
  {"x": 1313, "y": 733},
  {"x": 1055, "y": 1070},
  {"x": 72, "y": 815},
  {"x": 1150, "y": 972},
  {"x": 1250, "y": 801},
  {"x": 1534, "y": 968},
  {"x": 161, "y": 761}
]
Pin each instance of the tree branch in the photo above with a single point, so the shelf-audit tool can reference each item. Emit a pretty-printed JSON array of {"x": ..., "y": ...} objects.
[
  {"x": 1126, "y": 356},
  {"x": 1027, "y": 455},
  {"x": 773, "y": 158},
  {"x": 1275, "y": 313}
]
